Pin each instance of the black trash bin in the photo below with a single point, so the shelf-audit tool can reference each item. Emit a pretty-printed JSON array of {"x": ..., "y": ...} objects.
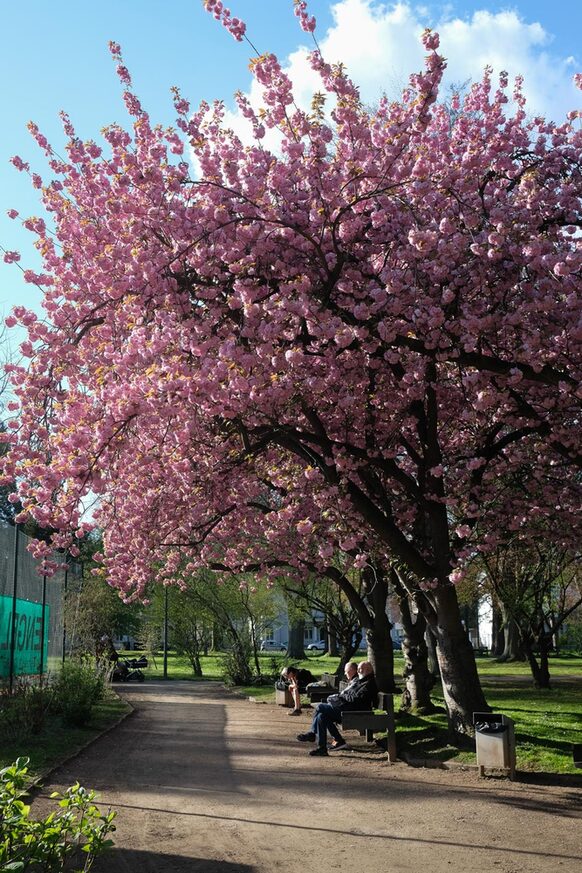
[{"x": 495, "y": 742}]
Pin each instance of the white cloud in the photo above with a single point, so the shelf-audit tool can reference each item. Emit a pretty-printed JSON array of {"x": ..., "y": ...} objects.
[{"x": 380, "y": 45}]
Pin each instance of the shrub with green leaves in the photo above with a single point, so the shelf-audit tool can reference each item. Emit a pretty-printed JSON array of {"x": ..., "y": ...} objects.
[
  {"x": 23, "y": 711},
  {"x": 79, "y": 686},
  {"x": 235, "y": 665},
  {"x": 68, "y": 839}
]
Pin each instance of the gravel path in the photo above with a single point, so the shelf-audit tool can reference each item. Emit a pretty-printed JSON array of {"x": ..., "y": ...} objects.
[{"x": 205, "y": 781}]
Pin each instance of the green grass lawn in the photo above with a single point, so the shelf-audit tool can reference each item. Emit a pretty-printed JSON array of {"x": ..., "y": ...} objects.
[
  {"x": 547, "y": 723},
  {"x": 58, "y": 741},
  {"x": 179, "y": 667}
]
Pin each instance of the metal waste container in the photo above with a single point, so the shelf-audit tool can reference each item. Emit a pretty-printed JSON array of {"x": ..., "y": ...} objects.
[
  {"x": 577, "y": 754},
  {"x": 495, "y": 741}
]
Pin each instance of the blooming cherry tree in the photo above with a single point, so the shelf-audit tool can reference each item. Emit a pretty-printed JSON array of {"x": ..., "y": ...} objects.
[{"x": 367, "y": 341}]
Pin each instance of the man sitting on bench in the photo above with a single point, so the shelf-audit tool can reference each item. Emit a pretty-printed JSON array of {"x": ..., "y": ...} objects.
[{"x": 359, "y": 694}]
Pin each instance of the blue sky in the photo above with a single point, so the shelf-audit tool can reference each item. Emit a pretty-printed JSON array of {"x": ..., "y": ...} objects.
[{"x": 54, "y": 56}]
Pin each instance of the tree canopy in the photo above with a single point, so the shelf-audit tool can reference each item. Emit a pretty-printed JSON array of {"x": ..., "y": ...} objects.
[{"x": 367, "y": 340}]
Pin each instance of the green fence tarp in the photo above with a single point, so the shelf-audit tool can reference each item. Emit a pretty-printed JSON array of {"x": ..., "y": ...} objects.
[{"x": 27, "y": 635}]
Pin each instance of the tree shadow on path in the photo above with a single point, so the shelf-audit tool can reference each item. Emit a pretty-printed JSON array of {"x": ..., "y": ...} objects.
[{"x": 135, "y": 861}]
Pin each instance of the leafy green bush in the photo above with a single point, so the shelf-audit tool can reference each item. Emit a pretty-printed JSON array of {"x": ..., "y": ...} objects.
[
  {"x": 53, "y": 843},
  {"x": 571, "y": 640},
  {"x": 23, "y": 711},
  {"x": 235, "y": 666},
  {"x": 79, "y": 686}
]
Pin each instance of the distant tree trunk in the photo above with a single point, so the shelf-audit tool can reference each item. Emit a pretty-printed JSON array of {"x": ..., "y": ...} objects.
[
  {"x": 378, "y": 637},
  {"x": 433, "y": 661},
  {"x": 513, "y": 649},
  {"x": 332, "y": 643},
  {"x": 296, "y": 644},
  {"x": 418, "y": 679},
  {"x": 348, "y": 649},
  {"x": 540, "y": 671},
  {"x": 497, "y": 634}
]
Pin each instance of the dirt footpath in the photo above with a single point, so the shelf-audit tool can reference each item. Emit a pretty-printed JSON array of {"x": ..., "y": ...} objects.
[{"x": 204, "y": 781}]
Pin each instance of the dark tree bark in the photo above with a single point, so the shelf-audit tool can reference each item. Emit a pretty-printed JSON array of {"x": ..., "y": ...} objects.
[
  {"x": 332, "y": 642},
  {"x": 540, "y": 670},
  {"x": 513, "y": 649},
  {"x": 347, "y": 652},
  {"x": 296, "y": 643},
  {"x": 378, "y": 637},
  {"x": 461, "y": 687},
  {"x": 462, "y": 690},
  {"x": 497, "y": 633},
  {"x": 370, "y": 608},
  {"x": 433, "y": 661},
  {"x": 418, "y": 680}
]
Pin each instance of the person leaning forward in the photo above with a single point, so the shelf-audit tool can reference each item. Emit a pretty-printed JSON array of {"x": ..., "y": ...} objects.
[
  {"x": 297, "y": 680},
  {"x": 360, "y": 694}
]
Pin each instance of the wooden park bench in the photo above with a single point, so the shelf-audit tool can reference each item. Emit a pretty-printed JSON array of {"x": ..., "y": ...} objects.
[
  {"x": 320, "y": 693},
  {"x": 367, "y": 722}
]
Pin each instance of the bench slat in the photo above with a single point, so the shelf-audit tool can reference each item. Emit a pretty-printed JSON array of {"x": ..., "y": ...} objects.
[{"x": 370, "y": 721}]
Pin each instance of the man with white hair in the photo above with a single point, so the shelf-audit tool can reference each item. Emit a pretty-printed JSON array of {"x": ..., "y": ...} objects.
[{"x": 360, "y": 694}]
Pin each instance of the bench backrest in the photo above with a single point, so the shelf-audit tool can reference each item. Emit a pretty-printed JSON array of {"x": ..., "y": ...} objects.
[{"x": 383, "y": 700}]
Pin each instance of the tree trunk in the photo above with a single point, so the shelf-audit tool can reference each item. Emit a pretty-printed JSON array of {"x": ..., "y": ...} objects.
[
  {"x": 418, "y": 679},
  {"x": 513, "y": 648},
  {"x": 381, "y": 655},
  {"x": 540, "y": 672},
  {"x": 497, "y": 633},
  {"x": 347, "y": 652},
  {"x": 378, "y": 637},
  {"x": 433, "y": 661},
  {"x": 461, "y": 687},
  {"x": 296, "y": 644},
  {"x": 332, "y": 643}
]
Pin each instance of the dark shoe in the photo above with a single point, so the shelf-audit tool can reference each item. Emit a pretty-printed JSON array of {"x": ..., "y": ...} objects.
[
  {"x": 309, "y": 737},
  {"x": 337, "y": 746},
  {"x": 294, "y": 712},
  {"x": 319, "y": 752}
]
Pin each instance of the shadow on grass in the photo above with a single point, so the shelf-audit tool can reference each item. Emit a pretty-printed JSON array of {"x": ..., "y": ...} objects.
[{"x": 423, "y": 738}]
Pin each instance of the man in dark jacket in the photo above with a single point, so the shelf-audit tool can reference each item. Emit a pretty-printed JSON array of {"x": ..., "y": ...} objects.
[{"x": 360, "y": 694}]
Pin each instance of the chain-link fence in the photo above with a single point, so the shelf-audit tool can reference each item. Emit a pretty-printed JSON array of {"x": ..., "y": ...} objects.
[{"x": 34, "y": 638}]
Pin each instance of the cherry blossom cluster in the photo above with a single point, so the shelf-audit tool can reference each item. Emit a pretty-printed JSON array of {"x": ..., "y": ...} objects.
[
  {"x": 235, "y": 26},
  {"x": 368, "y": 343}
]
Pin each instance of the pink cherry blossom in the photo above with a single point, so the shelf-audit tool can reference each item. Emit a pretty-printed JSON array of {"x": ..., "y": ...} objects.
[{"x": 372, "y": 332}]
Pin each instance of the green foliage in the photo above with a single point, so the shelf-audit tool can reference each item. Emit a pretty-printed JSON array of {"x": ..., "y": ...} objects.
[
  {"x": 571, "y": 641},
  {"x": 58, "y": 741},
  {"x": 53, "y": 843},
  {"x": 276, "y": 664},
  {"x": 23, "y": 711},
  {"x": 235, "y": 663},
  {"x": 93, "y": 608},
  {"x": 79, "y": 687}
]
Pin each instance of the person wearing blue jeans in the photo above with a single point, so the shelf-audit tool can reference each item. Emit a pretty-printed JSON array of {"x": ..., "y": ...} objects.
[{"x": 359, "y": 694}]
